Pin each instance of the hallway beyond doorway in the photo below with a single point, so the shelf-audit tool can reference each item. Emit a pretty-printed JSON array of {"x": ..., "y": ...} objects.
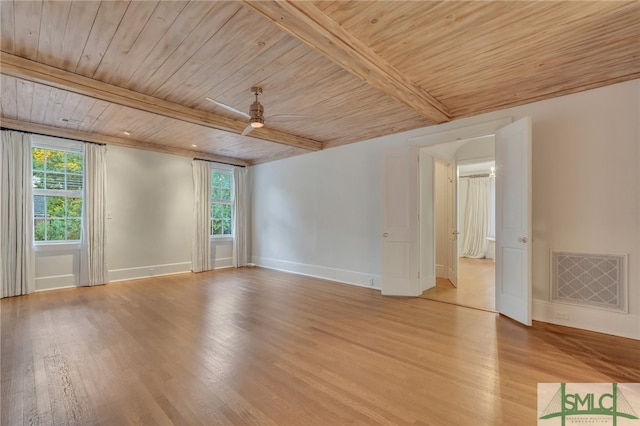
[{"x": 476, "y": 285}]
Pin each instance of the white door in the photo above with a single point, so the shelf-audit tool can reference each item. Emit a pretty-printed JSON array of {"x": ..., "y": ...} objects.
[
  {"x": 513, "y": 220},
  {"x": 400, "y": 222},
  {"x": 426, "y": 221},
  {"x": 452, "y": 223}
]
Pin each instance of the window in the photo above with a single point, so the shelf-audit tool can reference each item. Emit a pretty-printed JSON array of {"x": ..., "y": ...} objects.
[
  {"x": 57, "y": 193},
  {"x": 221, "y": 203}
]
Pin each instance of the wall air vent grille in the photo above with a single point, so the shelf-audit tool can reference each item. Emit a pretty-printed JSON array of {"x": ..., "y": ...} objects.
[{"x": 589, "y": 279}]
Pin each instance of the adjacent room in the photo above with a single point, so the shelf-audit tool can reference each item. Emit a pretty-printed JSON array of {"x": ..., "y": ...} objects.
[{"x": 319, "y": 213}]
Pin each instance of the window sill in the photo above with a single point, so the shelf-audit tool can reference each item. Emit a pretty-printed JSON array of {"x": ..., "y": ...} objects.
[
  {"x": 221, "y": 239},
  {"x": 56, "y": 247}
]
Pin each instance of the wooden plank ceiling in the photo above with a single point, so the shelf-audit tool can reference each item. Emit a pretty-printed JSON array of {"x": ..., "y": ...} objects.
[{"x": 355, "y": 70}]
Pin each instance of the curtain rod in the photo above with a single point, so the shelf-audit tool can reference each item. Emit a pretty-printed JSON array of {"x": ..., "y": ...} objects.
[
  {"x": 475, "y": 176},
  {"x": 219, "y": 162},
  {"x": 51, "y": 136}
]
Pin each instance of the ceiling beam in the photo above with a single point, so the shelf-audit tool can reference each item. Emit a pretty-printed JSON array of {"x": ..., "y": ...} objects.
[
  {"x": 25, "y": 69},
  {"x": 24, "y": 126},
  {"x": 303, "y": 20}
]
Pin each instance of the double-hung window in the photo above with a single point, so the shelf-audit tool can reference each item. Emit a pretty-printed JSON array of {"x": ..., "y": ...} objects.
[
  {"x": 58, "y": 182},
  {"x": 221, "y": 203}
]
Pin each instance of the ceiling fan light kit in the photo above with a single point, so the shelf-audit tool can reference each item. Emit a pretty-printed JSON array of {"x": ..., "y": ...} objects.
[{"x": 256, "y": 111}]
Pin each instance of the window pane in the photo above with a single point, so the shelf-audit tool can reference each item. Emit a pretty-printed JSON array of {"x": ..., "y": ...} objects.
[
  {"x": 39, "y": 206},
  {"x": 73, "y": 229},
  {"x": 216, "y": 227},
  {"x": 215, "y": 193},
  {"x": 54, "y": 181},
  {"x": 225, "y": 194},
  {"x": 37, "y": 154},
  {"x": 56, "y": 207},
  {"x": 226, "y": 227},
  {"x": 74, "y": 207},
  {"x": 56, "y": 230},
  {"x": 54, "y": 161},
  {"x": 74, "y": 162},
  {"x": 38, "y": 180},
  {"x": 74, "y": 182},
  {"x": 40, "y": 230},
  {"x": 226, "y": 180}
]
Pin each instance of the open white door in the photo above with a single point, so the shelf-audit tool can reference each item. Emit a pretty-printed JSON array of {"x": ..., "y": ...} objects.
[
  {"x": 452, "y": 223},
  {"x": 400, "y": 222},
  {"x": 513, "y": 220}
]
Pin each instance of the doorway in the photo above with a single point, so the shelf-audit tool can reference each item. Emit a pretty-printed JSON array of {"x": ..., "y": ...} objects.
[
  {"x": 464, "y": 207},
  {"x": 408, "y": 243}
]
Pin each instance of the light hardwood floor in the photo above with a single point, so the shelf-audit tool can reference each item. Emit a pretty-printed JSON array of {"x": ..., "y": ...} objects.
[
  {"x": 476, "y": 285},
  {"x": 254, "y": 346}
]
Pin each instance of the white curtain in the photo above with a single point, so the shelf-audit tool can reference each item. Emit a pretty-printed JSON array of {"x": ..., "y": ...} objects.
[
  {"x": 241, "y": 217},
  {"x": 17, "y": 261},
  {"x": 476, "y": 218},
  {"x": 201, "y": 246},
  {"x": 93, "y": 263}
]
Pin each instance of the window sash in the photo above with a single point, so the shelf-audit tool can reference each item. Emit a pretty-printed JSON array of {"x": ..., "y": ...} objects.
[
  {"x": 224, "y": 224},
  {"x": 64, "y": 228}
]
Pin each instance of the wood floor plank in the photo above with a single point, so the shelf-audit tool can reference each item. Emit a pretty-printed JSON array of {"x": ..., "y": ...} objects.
[{"x": 254, "y": 346}]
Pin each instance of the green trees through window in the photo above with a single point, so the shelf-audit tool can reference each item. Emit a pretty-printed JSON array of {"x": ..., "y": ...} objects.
[
  {"x": 221, "y": 203},
  {"x": 57, "y": 194}
]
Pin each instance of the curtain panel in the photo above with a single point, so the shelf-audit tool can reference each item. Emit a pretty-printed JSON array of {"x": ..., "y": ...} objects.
[
  {"x": 17, "y": 259},
  {"x": 201, "y": 242},
  {"x": 241, "y": 217},
  {"x": 93, "y": 263},
  {"x": 476, "y": 218}
]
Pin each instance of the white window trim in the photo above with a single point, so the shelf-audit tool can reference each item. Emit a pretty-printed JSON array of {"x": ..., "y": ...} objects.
[
  {"x": 56, "y": 246},
  {"x": 48, "y": 142}
]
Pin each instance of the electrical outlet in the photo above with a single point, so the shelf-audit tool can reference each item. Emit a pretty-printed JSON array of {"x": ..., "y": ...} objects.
[
  {"x": 563, "y": 315},
  {"x": 370, "y": 281}
]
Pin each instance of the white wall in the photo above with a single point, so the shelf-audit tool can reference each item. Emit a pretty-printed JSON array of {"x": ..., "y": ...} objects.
[
  {"x": 150, "y": 202},
  {"x": 319, "y": 213}
]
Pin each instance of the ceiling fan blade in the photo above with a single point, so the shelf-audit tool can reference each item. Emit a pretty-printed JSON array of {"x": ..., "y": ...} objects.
[
  {"x": 280, "y": 117},
  {"x": 246, "y": 130},
  {"x": 228, "y": 108}
]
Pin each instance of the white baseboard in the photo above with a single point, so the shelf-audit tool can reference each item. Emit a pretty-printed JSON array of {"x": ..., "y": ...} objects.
[
  {"x": 56, "y": 282},
  {"x": 359, "y": 279},
  {"x": 148, "y": 271},
  {"x": 617, "y": 324},
  {"x": 441, "y": 271}
]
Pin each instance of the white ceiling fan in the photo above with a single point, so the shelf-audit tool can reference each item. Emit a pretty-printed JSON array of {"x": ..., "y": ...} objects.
[{"x": 256, "y": 112}]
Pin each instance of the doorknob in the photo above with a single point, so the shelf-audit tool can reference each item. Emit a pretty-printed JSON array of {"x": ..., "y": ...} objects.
[
  {"x": 386, "y": 234},
  {"x": 522, "y": 239}
]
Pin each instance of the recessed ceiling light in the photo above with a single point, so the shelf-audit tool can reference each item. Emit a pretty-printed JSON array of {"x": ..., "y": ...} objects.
[
  {"x": 194, "y": 145},
  {"x": 127, "y": 133}
]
